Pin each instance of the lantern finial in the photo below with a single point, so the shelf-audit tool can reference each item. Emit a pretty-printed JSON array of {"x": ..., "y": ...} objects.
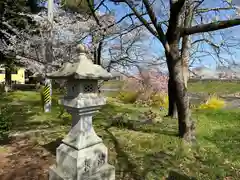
[{"x": 81, "y": 48}]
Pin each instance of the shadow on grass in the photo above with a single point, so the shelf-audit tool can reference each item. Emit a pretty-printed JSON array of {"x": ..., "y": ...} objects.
[
  {"x": 167, "y": 127},
  {"x": 167, "y": 161},
  {"x": 52, "y": 146},
  {"x": 27, "y": 113},
  {"x": 148, "y": 128},
  {"x": 128, "y": 169},
  {"x": 152, "y": 162},
  {"x": 21, "y": 115},
  {"x": 5, "y": 140},
  {"x": 105, "y": 118},
  {"x": 227, "y": 140},
  {"x": 163, "y": 132},
  {"x": 153, "y": 165}
]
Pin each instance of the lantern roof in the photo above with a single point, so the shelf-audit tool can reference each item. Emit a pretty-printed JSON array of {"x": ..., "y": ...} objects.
[{"x": 84, "y": 68}]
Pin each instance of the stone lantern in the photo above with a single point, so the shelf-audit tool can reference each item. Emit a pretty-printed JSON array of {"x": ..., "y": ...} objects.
[{"x": 82, "y": 154}]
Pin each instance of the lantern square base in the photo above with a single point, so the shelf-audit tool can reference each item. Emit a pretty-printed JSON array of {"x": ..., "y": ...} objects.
[
  {"x": 106, "y": 172},
  {"x": 56, "y": 174}
]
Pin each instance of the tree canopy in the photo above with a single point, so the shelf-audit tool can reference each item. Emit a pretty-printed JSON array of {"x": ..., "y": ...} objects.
[{"x": 12, "y": 22}]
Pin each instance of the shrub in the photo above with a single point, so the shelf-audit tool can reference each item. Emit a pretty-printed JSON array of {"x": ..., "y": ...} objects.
[
  {"x": 213, "y": 102},
  {"x": 128, "y": 96},
  {"x": 5, "y": 121},
  {"x": 159, "y": 100}
]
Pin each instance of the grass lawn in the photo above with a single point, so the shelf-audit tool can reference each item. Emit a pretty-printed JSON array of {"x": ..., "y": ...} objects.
[
  {"x": 218, "y": 87},
  {"x": 150, "y": 151}
]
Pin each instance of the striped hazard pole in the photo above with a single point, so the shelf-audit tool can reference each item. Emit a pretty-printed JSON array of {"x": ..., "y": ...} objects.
[{"x": 47, "y": 94}]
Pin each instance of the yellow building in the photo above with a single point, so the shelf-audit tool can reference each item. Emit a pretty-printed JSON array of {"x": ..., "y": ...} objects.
[{"x": 18, "y": 76}]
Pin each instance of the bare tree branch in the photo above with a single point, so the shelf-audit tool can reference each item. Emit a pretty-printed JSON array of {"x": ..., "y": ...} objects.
[
  {"x": 211, "y": 26},
  {"x": 218, "y": 9},
  {"x": 139, "y": 16},
  {"x": 175, "y": 10},
  {"x": 207, "y": 41},
  {"x": 153, "y": 18}
]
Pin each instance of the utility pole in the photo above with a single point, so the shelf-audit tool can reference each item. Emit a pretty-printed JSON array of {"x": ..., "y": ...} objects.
[{"x": 47, "y": 91}]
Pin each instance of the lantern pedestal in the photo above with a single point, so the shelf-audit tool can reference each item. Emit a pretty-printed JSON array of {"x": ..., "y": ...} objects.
[{"x": 82, "y": 155}]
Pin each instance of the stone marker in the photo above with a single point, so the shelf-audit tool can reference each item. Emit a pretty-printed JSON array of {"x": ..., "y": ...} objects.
[{"x": 82, "y": 154}]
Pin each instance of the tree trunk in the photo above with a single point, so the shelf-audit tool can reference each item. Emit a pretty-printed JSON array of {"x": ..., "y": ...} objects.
[
  {"x": 8, "y": 80},
  {"x": 98, "y": 51},
  {"x": 172, "y": 108},
  {"x": 179, "y": 93},
  {"x": 186, "y": 41},
  {"x": 185, "y": 61}
]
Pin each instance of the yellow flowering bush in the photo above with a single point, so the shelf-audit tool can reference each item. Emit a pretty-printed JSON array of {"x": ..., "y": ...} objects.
[
  {"x": 128, "y": 96},
  {"x": 159, "y": 100},
  {"x": 213, "y": 102}
]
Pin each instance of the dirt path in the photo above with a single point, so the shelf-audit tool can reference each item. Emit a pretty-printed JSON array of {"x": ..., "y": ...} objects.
[{"x": 23, "y": 160}]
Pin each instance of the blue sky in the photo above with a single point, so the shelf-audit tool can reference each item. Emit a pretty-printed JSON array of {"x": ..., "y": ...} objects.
[
  {"x": 157, "y": 49},
  {"x": 208, "y": 61}
]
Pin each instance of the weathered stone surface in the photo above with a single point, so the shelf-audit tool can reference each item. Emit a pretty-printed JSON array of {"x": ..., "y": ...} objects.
[
  {"x": 106, "y": 172},
  {"x": 81, "y": 162},
  {"x": 56, "y": 174},
  {"x": 82, "y": 134},
  {"x": 83, "y": 101},
  {"x": 82, "y": 155}
]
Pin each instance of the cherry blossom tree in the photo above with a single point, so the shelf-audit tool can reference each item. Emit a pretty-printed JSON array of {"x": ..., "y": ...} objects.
[{"x": 69, "y": 28}]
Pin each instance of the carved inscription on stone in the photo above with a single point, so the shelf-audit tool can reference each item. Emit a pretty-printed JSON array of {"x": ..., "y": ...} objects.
[
  {"x": 87, "y": 165},
  {"x": 101, "y": 159}
]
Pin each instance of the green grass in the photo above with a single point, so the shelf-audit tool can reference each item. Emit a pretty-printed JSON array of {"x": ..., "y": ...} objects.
[
  {"x": 218, "y": 87},
  {"x": 150, "y": 151}
]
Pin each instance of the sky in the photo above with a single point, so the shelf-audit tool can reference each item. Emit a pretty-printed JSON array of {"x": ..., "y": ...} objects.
[
  {"x": 230, "y": 34},
  {"x": 157, "y": 49},
  {"x": 237, "y": 2}
]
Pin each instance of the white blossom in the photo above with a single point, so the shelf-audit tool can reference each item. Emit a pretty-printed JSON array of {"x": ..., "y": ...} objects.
[{"x": 68, "y": 29}]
